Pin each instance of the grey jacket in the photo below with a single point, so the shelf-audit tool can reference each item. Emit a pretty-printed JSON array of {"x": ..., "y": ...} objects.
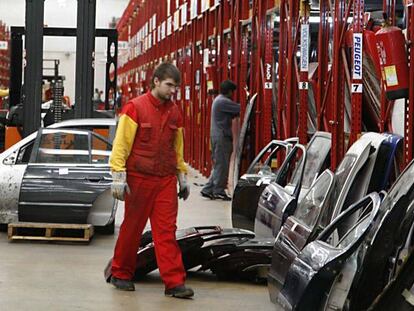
[{"x": 222, "y": 112}]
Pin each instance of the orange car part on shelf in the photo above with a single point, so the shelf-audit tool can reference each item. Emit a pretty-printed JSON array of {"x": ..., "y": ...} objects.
[{"x": 393, "y": 57}]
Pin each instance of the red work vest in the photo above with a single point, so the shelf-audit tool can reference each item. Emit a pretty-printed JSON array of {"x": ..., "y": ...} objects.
[{"x": 153, "y": 151}]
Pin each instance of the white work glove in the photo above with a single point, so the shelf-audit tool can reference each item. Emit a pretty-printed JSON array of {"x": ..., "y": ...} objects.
[
  {"x": 184, "y": 192},
  {"x": 119, "y": 185}
]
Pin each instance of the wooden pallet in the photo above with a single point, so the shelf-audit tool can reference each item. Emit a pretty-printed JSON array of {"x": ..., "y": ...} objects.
[{"x": 50, "y": 232}]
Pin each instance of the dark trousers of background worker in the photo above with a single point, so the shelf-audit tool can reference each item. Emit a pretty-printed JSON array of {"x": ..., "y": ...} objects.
[
  {"x": 221, "y": 149},
  {"x": 154, "y": 198}
]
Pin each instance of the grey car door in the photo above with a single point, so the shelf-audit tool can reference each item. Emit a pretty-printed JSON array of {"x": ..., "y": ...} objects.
[{"x": 68, "y": 170}]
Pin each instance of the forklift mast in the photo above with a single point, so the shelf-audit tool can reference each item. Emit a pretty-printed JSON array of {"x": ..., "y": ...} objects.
[{"x": 31, "y": 94}]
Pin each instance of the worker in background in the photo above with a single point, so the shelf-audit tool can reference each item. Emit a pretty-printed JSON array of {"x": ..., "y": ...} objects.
[
  {"x": 222, "y": 113},
  {"x": 146, "y": 160}
]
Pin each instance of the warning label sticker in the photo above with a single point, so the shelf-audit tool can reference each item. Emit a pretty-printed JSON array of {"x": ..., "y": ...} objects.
[{"x": 391, "y": 75}]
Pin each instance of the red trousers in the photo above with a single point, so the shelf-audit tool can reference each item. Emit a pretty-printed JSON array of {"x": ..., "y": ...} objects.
[{"x": 155, "y": 198}]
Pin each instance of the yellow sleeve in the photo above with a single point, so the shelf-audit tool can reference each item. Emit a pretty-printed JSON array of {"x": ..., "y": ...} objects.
[
  {"x": 124, "y": 139},
  {"x": 4, "y": 93},
  {"x": 179, "y": 149}
]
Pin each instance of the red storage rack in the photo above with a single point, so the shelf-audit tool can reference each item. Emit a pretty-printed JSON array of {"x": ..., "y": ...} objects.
[{"x": 246, "y": 41}]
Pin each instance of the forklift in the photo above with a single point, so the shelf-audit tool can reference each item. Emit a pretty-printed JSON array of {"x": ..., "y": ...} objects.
[{"x": 25, "y": 100}]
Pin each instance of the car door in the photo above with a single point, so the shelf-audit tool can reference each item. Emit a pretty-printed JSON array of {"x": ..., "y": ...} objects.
[
  {"x": 345, "y": 174},
  {"x": 276, "y": 203},
  {"x": 318, "y": 152},
  {"x": 66, "y": 174},
  {"x": 315, "y": 268},
  {"x": 297, "y": 230},
  {"x": 251, "y": 185}
]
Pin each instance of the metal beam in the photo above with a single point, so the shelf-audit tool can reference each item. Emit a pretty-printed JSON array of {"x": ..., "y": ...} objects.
[
  {"x": 282, "y": 131},
  {"x": 409, "y": 105},
  {"x": 66, "y": 32},
  {"x": 337, "y": 101},
  {"x": 16, "y": 55},
  {"x": 291, "y": 77},
  {"x": 304, "y": 72},
  {"x": 357, "y": 55},
  {"x": 85, "y": 58},
  {"x": 323, "y": 61},
  {"x": 111, "y": 60},
  {"x": 33, "y": 68}
]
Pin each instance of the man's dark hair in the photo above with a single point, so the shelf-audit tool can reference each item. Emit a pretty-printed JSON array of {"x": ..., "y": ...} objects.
[
  {"x": 227, "y": 86},
  {"x": 165, "y": 71}
]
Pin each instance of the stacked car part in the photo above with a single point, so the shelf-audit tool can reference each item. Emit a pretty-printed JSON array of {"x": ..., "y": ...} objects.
[{"x": 322, "y": 247}]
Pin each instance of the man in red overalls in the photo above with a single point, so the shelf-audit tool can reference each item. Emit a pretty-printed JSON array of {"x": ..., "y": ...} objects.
[{"x": 146, "y": 160}]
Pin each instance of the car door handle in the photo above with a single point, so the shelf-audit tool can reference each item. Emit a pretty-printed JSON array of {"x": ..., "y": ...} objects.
[{"x": 94, "y": 178}]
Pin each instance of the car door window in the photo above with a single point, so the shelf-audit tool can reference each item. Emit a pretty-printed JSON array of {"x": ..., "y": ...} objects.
[
  {"x": 24, "y": 153},
  {"x": 311, "y": 205},
  {"x": 316, "y": 153},
  {"x": 63, "y": 147},
  {"x": 101, "y": 150}
]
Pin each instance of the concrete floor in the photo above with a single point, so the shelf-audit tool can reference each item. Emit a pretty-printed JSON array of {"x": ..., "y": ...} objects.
[{"x": 49, "y": 276}]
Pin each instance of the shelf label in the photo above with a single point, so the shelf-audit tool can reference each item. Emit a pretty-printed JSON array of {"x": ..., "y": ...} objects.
[
  {"x": 357, "y": 88},
  {"x": 357, "y": 68},
  {"x": 303, "y": 85},
  {"x": 304, "y": 48},
  {"x": 187, "y": 92}
]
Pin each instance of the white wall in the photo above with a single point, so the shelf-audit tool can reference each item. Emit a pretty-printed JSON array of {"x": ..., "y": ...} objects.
[{"x": 63, "y": 13}]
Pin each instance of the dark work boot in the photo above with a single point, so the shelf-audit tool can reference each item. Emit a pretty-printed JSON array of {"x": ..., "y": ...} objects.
[
  {"x": 122, "y": 284},
  {"x": 207, "y": 195},
  {"x": 222, "y": 196},
  {"x": 179, "y": 292}
]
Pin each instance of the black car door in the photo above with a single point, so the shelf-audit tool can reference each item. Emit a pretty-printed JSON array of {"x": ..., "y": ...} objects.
[{"x": 67, "y": 171}]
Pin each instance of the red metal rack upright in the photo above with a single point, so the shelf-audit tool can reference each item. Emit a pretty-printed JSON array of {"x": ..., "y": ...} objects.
[
  {"x": 409, "y": 107},
  {"x": 213, "y": 40},
  {"x": 4, "y": 59},
  {"x": 4, "y": 56}
]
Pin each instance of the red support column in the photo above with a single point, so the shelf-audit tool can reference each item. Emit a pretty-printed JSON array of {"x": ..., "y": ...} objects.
[
  {"x": 261, "y": 73},
  {"x": 4, "y": 58},
  {"x": 337, "y": 122},
  {"x": 356, "y": 96},
  {"x": 267, "y": 87},
  {"x": 291, "y": 77},
  {"x": 282, "y": 130},
  {"x": 323, "y": 62},
  {"x": 409, "y": 107},
  {"x": 244, "y": 59},
  {"x": 389, "y": 9}
]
